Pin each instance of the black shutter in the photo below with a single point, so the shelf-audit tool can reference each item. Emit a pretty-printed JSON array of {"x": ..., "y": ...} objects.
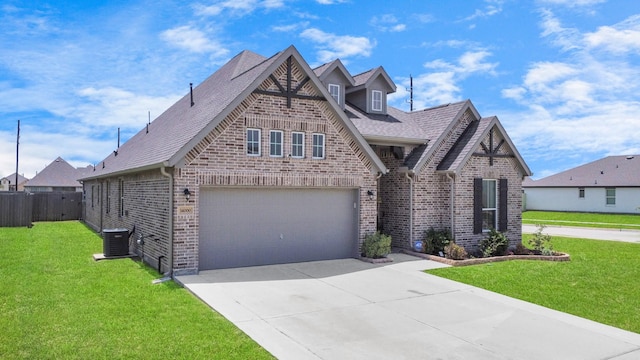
[
  {"x": 502, "y": 207},
  {"x": 477, "y": 205}
]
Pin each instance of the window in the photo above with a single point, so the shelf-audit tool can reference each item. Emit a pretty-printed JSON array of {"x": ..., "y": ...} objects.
[
  {"x": 611, "y": 196},
  {"x": 318, "y": 146},
  {"x": 376, "y": 100},
  {"x": 489, "y": 204},
  {"x": 581, "y": 193},
  {"x": 121, "y": 197},
  {"x": 297, "y": 145},
  {"x": 108, "y": 205},
  {"x": 275, "y": 143},
  {"x": 93, "y": 191},
  {"x": 253, "y": 142},
  {"x": 334, "y": 90}
]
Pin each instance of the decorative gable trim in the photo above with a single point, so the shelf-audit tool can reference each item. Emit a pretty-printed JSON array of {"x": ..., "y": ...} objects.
[
  {"x": 286, "y": 90},
  {"x": 283, "y": 64},
  {"x": 492, "y": 152}
]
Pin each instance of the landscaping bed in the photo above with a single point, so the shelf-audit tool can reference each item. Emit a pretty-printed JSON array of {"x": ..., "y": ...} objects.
[{"x": 476, "y": 261}]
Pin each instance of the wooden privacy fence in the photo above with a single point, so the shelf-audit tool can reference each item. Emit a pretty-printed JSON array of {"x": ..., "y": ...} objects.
[{"x": 21, "y": 209}]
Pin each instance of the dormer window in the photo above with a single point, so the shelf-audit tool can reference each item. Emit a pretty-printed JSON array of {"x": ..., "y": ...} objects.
[
  {"x": 334, "y": 90},
  {"x": 376, "y": 100}
]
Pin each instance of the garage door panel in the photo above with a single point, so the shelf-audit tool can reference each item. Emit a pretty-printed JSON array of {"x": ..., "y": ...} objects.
[{"x": 247, "y": 227}]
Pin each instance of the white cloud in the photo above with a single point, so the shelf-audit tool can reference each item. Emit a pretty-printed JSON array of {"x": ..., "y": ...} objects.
[
  {"x": 193, "y": 40},
  {"x": 333, "y": 46},
  {"x": 620, "y": 38},
  {"x": 572, "y": 3},
  {"x": 113, "y": 107},
  {"x": 581, "y": 105},
  {"x": 442, "y": 84},
  {"x": 491, "y": 8},
  {"x": 237, "y": 7},
  {"x": 387, "y": 23},
  {"x": 290, "y": 27},
  {"x": 331, "y": 2},
  {"x": 566, "y": 38}
]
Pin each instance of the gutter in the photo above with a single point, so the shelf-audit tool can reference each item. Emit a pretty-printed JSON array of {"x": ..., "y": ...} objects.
[
  {"x": 452, "y": 206},
  {"x": 409, "y": 175},
  {"x": 171, "y": 190}
]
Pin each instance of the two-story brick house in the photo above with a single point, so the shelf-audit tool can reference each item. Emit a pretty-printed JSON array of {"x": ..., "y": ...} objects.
[{"x": 270, "y": 161}]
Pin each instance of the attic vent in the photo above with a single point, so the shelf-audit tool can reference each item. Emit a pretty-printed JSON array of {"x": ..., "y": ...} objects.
[{"x": 629, "y": 157}]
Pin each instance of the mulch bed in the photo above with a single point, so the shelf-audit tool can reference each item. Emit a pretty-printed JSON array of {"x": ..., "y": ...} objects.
[{"x": 476, "y": 261}]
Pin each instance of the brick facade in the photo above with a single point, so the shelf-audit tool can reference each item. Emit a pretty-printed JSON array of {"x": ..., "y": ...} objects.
[
  {"x": 145, "y": 204},
  {"x": 220, "y": 159},
  {"x": 408, "y": 202}
]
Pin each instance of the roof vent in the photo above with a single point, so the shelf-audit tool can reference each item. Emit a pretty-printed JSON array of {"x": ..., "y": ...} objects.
[
  {"x": 629, "y": 157},
  {"x": 191, "y": 91}
]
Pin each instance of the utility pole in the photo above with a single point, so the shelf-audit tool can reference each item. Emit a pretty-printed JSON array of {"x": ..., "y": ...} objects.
[
  {"x": 410, "y": 92},
  {"x": 17, "y": 153}
]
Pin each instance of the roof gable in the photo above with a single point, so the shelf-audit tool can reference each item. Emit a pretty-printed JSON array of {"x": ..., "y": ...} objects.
[
  {"x": 12, "y": 178},
  {"x": 365, "y": 79},
  {"x": 438, "y": 122},
  {"x": 471, "y": 142},
  {"x": 181, "y": 127},
  {"x": 59, "y": 173},
  {"x": 336, "y": 66}
]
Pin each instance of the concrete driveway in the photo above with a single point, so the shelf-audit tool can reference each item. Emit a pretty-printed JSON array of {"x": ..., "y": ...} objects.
[{"x": 349, "y": 309}]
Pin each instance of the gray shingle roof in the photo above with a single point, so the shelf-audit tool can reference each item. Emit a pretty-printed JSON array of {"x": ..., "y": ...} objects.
[
  {"x": 396, "y": 125},
  {"x": 362, "y": 80},
  {"x": 12, "y": 178},
  {"x": 180, "y": 123},
  {"x": 434, "y": 121},
  {"x": 612, "y": 171},
  {"x": 182, "y": 126},
  {"x": 57, "y": 174}
]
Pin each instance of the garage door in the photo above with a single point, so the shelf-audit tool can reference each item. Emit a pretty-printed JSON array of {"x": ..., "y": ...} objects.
[{"x": 250, "y": 226}]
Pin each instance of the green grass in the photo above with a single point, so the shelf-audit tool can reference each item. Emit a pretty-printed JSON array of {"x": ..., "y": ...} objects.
[
  {"x": 601, "y": 282},
  {"x": 56, "y": 302},
  {"x": 597, "y": 220}
]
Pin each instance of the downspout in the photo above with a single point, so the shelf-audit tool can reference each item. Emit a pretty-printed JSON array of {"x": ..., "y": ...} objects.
[
  {"x": 170, "y": 176},
  {"x": 452, "y": 206},
  {"x": 410, "y": 208}
]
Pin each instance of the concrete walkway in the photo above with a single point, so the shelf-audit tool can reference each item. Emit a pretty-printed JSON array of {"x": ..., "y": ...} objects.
[
  {"x": 587, "y": 233},
  {"x": 349, "y": 309}
]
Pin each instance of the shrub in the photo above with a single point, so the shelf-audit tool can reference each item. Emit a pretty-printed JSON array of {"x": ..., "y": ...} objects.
[
  {"x": 376, "y": 245},
  {"x": 436, "y": 240},
  {"x": 541, "y": 242},
  {"x": 455, "y": 251},
  {"x": 495, "y": 244}
]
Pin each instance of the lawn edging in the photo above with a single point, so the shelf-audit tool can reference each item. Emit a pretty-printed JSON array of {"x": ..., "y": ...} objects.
[{"x": 476, "y": 261}]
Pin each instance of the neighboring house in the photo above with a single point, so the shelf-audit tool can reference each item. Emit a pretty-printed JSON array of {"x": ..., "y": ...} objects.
[
  {"x": 8, "y": 183},
  {"x": 269, "y": 161},
  {"x": 57, "y": 176},
  {"x": 608, "y": 185}
]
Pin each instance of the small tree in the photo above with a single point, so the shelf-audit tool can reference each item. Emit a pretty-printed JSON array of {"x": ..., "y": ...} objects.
[{"x": 541, "y": 242}]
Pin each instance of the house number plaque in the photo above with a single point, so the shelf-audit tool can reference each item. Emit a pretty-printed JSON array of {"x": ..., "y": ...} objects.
[{"x": 185, "y": 210}]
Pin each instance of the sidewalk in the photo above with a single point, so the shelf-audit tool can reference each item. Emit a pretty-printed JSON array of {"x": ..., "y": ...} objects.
[{"x": 587, "y": 233}]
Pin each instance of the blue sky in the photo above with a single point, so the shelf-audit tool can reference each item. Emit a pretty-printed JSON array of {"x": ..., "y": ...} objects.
[{"x": 563, "y": 76}]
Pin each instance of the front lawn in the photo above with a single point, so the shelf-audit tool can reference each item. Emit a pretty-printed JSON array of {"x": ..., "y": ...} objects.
[
  {"x": 597, "y": 220},
  {"x": 601, "y": 282},
  {"x": 56, "y": 302}
]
